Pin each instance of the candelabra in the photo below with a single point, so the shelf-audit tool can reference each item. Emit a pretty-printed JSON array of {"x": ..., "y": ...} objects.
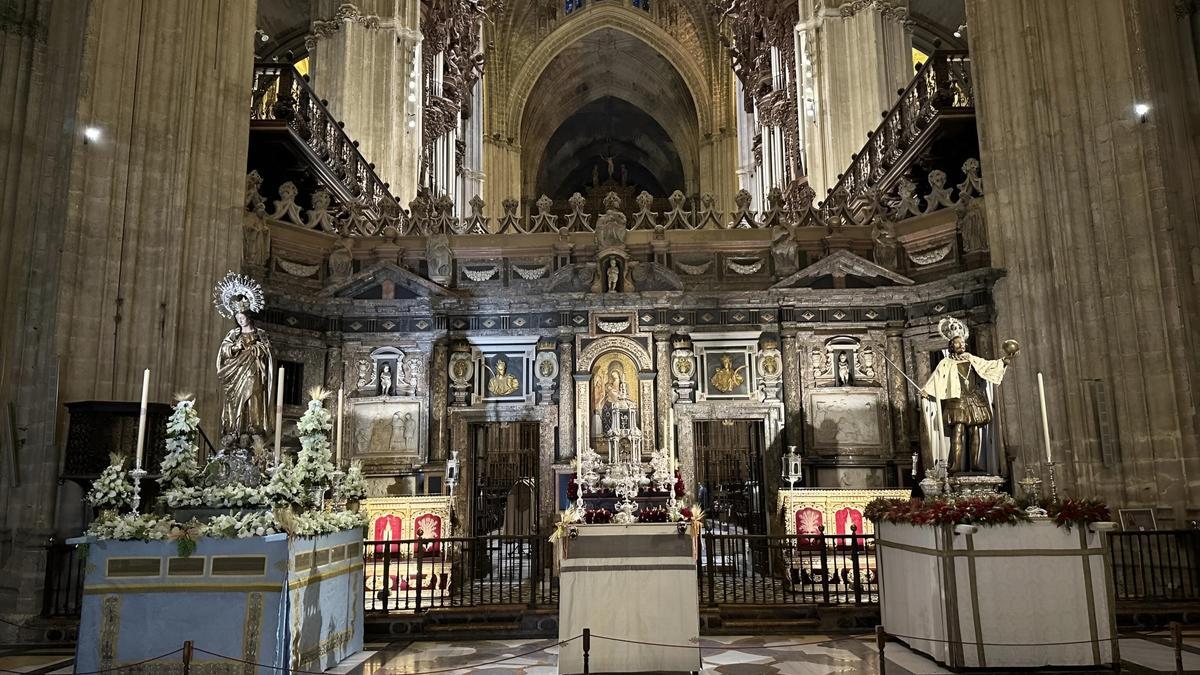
[
  {"x": 336, "y": 477},
  {"x": 137, "y": 475},
  {"x": 1030, "y": 484}
]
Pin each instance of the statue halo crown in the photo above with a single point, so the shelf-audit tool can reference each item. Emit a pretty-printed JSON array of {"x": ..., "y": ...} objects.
[
  {"x": 950, "y": 328},
  {"x": 237, "y": 293}
]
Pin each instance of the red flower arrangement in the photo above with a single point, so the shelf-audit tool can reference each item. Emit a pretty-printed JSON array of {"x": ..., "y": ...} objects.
[
  {"x": 686, "y": 512},
  {"x": 1082, "y": 512},
  {"x": 977, "y": 510},
  {"x": 652, "y": 515},
  {"x": 984, "y": 510},
  {"x": 597, "y": 516}
]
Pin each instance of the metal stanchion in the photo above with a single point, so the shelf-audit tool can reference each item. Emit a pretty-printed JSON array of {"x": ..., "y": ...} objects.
[
  {"x": 880, "y": 643},
  {"x": 587, "y": 648},
  {"x": 187, "y": 657},
  {"x": 1177, "y": 639}
]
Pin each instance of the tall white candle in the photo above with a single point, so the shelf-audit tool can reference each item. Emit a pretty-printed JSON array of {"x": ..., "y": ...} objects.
[
  {"x": 1045, "y": 418},
  {"x": 279, "y": 418},
  {"x": 141, "y": 442},
  {"x": 341, "y": 404}
]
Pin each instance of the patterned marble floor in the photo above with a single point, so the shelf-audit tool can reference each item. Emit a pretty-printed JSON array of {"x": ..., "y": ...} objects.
[{"x": 774, "y": 655}]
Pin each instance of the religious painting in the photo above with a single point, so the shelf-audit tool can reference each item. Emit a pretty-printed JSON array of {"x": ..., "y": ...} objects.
[
  {"x": 1137, "y": 520},
  {"x": 393, "y": 428},
  {"x": 614, "y": 404}
]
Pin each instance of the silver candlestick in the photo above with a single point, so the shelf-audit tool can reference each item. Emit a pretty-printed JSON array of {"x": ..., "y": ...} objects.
[
  {"x": 336, "y": 477},
  {"x": 1053, "y": 483},
  {"x": 137, "y": 475}
]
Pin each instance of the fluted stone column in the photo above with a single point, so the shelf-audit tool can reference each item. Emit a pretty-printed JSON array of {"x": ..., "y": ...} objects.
[
  {"x": 40, "y": 54},
  {"x": 155, "y": 205},
  {"x": 662, "y": 383},
  {"x": 439, "y": 417},
  {"x": 792, "y": 413},
  {"x": 1093, "y": 213},
  {"x": 566, "y": 398},
  {"x": 122, "y": 237},
  {"x": 860, "y": 58},
  {"x": 364, "y": 56}
]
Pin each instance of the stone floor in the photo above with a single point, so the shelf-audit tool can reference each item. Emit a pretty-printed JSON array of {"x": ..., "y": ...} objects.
[{"x": 783, "y": 655}]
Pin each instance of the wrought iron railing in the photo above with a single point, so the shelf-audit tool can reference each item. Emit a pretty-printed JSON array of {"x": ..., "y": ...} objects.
[
  {"x": 822, "y": 569},
  {"x": 942, "y": 86},
  {"x": 62, "y": 592},
  {"x": 420, "y": 574},
  {"x": 282, "y": 96},
  {"x": 1157, "y": 566}
]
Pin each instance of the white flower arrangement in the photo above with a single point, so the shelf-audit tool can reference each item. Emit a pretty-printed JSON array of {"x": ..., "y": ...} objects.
[
  {"x": 242, "y": 525},
  {"x": 143, "y": 527},
  {"x": 112, "y": 490},
  {"x": 284, "y": 487},
  {"x": 233, "y": 495},
  {"x": 184, "y": 497},
  {"x": 179, "y": 467},
  {"x": 314, "y": 464},
  {"x": 354, "y": 484},
  {"x": 313, "y": 523}
]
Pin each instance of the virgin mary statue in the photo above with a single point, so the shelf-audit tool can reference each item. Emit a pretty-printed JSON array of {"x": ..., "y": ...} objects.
[{"x": 244, "y": 361}]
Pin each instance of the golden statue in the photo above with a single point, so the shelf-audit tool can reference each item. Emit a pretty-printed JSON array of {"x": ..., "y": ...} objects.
[
  {"x": 727, "y": 378},
  {"x": 245, "y": 365},
  {"x": 502, "y": 383},
  {"x": 963, "y": 404}
]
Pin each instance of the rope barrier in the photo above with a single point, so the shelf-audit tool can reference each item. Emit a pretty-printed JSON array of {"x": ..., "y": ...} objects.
[
  {"x": 123, "y": 666},
  {"x": 1004, "y": 644},
  {"x": 718, "y": 646},
  {"x": 294, "y": 671}
]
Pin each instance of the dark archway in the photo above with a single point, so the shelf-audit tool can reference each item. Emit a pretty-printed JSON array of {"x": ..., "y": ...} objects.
[{"x": 643, "y": 155}]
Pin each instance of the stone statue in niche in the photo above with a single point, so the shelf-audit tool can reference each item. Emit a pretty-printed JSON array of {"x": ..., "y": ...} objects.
[
  {"x": 385, "y": 380},
  {"x": 843, "y": 370},
  {"x": 437, "y": 256},
  {"x": 341, "y": 261},
  {"x": 611, "y": 226},
  {"x": 885, "y": 245},
  {"x": 502, "y": 382},
  {"x": 613, "y": 274},
  {"x": 256, "y": 239},
  {"x": 785, "y": 252}
]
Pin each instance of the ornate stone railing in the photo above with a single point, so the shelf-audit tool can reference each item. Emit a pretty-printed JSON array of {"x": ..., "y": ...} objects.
[
  {"x": 426, "y": 216},
  {"x": 941, "y": 87},
  {"x": 283, "y": 97}
]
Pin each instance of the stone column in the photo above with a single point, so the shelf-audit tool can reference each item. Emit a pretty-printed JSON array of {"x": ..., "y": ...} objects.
[
  {"x": 123, "y": 235},
  {"x": 439, "y": 417},
  {"x": 1093, "y": 212},
  {"x": 859, "y": 59},
  {"x": 662, "y": 383},
  {"x": 566, "y": 398},
  {"x": 792, "y": 414},
  {"x": 366, "y": 63},
  {"x": 155, "y": 204},
  {"x": 40, "y": 55}
]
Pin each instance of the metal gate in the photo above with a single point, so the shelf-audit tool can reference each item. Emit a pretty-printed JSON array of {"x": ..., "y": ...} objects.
[
  {"x": 506, "y": 548},
  {"x": 729, "y": 474}
]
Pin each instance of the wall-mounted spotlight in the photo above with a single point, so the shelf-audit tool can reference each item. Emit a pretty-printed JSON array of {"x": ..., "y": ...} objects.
[
  {"x": 91, "y": 134},
  {"x": 1141, "y": 110},
  {"x": 960, "y": 31},
  {"x": 262, "y": 35}
]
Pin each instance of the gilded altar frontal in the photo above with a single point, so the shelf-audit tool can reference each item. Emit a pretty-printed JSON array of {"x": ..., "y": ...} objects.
[{"x": 437, "y": 302}]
